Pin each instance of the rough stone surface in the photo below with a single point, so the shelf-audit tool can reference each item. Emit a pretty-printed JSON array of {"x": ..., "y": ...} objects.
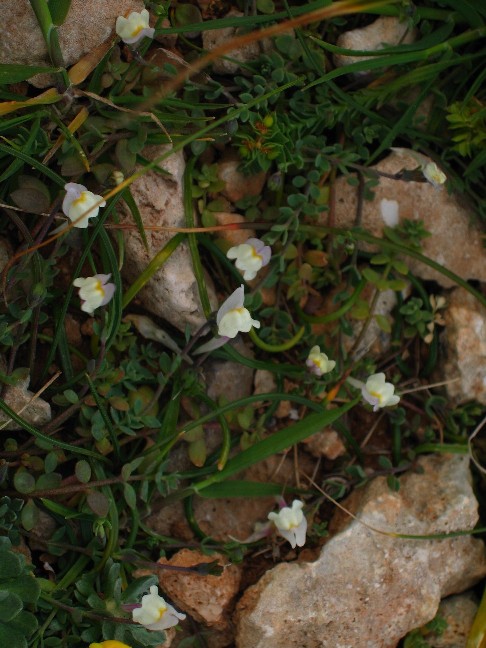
[
  {"x": 264, "y": 382},
  {"x": 375, "y": 341},
  {"x": 172, "y": 292},
  {"x": 229, "y": 379},
  {"x": 236, "y": 517},
  {"x": 208, "y": 599},
  {"x": 237, "y": 185},
  {"x": 368, "y": 590},
  {"x": 326, "y": 444},
  {"x": 215, "y": 37},
  {"x": 455, "y": 241},
  {"x": 88, "y": 24},
  {"x": 386, "y": 30},
  {"x": 18, "y": 397},
  {"x": 459, "y": 612},
  {"x": 464, "y": 341},
  {"x": 236, "y": 236}
]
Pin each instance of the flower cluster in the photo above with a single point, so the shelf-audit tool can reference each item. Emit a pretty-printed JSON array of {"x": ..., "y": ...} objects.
[
  {"x": 155, "y": 613},
  {"x": 94, "y": 291},
  {"x": 318, "y": 363},
  {"x": 250, "y": 257},
  {"x": 134, "y": 27},
  {"x": 433, "y": 174},
  {"x": 80, "y": 205},
  {"x": 376, "y": 391},
  {"x": 291, "y": 523},
  {"x": 233, "y": 317}
]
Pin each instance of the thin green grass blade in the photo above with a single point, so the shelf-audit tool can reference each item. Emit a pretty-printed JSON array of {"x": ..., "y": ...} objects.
[
  {"x": 59, "y": 10},
  {"x": 192, "y": 240},
  {"x": 51, "y": 441},
  {"x": 12, "y": 73},
  {"x": 115, "y": 307},
  {"x": 104, "y": 415},
  {"x": 157, "y": 262},
  {"x": 235, "y": 488},
  {"x": 9, "y": 150},
  {"x": 135, "y": 212},
  {"x": 276, "y": 443}
]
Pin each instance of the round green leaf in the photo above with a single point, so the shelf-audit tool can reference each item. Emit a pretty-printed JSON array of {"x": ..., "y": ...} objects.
[
  {"x": 24, "y": 482},
  {"x": 82, "y": 471}
]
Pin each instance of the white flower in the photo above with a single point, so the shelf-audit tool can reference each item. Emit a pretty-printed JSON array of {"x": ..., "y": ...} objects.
[
  {"x": 318, "y": 362},
  {"x": 135, "y": 27},
  {"x": 94, "y": 291},
  {"x": 291, "y": 523},
  {"x": 79, "y": 204},
  {"x": 250, "y": 257},
  {"x": 155, "y": 613},
  {"x": 379, "y": 393},
  {"x": 433, "y": 174},
  {"x": 233, "y": 318}
]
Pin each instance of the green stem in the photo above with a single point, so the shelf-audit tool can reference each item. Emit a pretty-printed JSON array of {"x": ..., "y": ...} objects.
[
  {"x": 401, "y": 249},
  {"x": 192, "y": 240},
  {"x": 324, "y": 319},
  {"x": 277, "y": 348},
  {"x": 157, "y": 262}
]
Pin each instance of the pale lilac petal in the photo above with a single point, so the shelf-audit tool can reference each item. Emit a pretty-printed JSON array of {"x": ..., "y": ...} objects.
[
  {"x": 235, "y": 300},
  {"x": 73, "y": 191},
  {"x": 213, "y": 344},
  {"x": 109, "y": 292}
]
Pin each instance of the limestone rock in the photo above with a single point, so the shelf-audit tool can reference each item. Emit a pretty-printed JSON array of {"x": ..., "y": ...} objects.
[
  {"x": 264, "y": 382},
  {"x": 208, "y": 599},
  {"x": 368, "y": 590},
  {"x": 172, "y": 291},
  {"x": 236, "y": 236},
  {"x": 455, "y": 242},
  {"x": 236, "y": 517},
  {"x": 326, "y": 444},
  {"x": 237, "y": 185},
  {"x": 385, "y": 31},
  {"x": 464, "y": 340},
  {"x": 459, "y": 612},
  {"x": 19, "y": 398},
  {"x": 375, "y": 341},
  {"x": 88, "y": 24},
  {"x": 213, "y": 38},
  {"x": 227, "y": 379}
]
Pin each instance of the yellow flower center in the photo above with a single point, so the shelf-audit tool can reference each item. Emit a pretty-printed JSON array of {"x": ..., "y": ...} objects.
[
  {"x": 376, "y": 395},
  {"x": 161, "y": 611},
  {"x": 137, "y": 30},
  {"x": 98, "y": 287},
  {"x": 82, "y": 198}
]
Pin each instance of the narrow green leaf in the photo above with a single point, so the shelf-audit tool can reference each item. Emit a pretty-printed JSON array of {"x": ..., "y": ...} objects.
[
  {"x": 59, "y": 10},
  {"x": 133, "y": 207},
  {"x": 241, "y": 489},
  {"x": 13, "y": 73},
  {"x": 277, "y": 442}
]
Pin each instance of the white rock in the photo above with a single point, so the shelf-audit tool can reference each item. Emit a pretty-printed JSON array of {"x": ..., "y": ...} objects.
[
  {"x": 172, "y": 292},
  {"x": 88, "y": 24},
  {"x": 213, "y": 38},
  {"x": 455, "y": 241},
  {"x": 368, "y": 590},
  {"x": 237, "y": 185},
  {"x": 384, "y": 31},
  {"x": 464, "y": 339},
  {"x": 19, "y": 398},
  {"x": 459, "y": 612}
]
